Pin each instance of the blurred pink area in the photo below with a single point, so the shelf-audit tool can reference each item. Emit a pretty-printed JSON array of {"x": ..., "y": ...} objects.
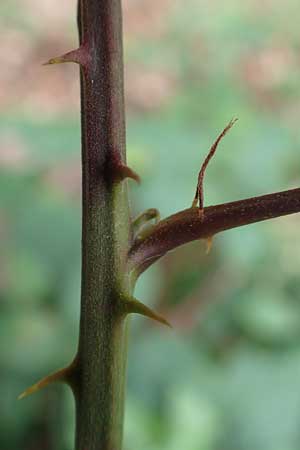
[
  {"x": 26, "y": 85},
  {"x": 49, "y": 29}
]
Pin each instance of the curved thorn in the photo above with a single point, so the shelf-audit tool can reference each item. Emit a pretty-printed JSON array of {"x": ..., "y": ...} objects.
[
  {"x": 60, "y": 376},
  {"x": 124, "y": 172},
  {"x": 141, "y": 225},
  {"x": 56, "y": 60},
  {"x": 134, "y": 306},
  {"x": 118, "y": 171},
  {"x": 146, "y": 216},
  {"x": 78, "y": 56},
  {"x": 209, "y": 242}
]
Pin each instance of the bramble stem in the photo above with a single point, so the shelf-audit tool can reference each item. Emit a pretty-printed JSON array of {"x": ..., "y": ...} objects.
[
  {"x": 187, "y": 225},
  {"x": 105, "y": 230},
  {"x": 114, "y": 250}
]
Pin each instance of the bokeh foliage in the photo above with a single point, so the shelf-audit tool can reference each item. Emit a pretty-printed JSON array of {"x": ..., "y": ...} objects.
[{"x": 227, "y": 376}]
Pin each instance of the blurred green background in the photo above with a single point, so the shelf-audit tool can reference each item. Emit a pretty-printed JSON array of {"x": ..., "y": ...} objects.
[{"x": 227, "y": 377}]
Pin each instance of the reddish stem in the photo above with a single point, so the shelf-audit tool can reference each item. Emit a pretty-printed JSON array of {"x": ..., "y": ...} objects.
[{"x": 187, "y": 225}]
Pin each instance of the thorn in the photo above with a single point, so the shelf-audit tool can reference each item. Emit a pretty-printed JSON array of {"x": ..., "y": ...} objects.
[
  {"x": 78, "y": 56},
  {"x": 209, "y": 242},
  {"x": 152, "y": 213},
  {"x": 199, "y": 197},
  {"x": 61, "y": 376},
  {"x": 124, "y": 172},
  {"x": 120, "y": 171},
  {"x": 134, "y": 306},
  {"x": 56, "y": 60},
  {"x": 143, "y": 219}
]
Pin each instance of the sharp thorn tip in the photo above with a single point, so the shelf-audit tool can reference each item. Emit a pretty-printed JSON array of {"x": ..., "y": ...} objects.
[
  {"x": 209, "y": 242},
  {"x": 59, "y": 376},
  {"x": 58, "y": 60},
  {"x": 21, "y": 396},
  {"x": 127, "y": 172},
  {"x": 134, "y": 306}
]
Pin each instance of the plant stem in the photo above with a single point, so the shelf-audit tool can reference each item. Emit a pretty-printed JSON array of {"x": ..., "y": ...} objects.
[
  {"x": 114, "y": 251},
  {"x": 188, "y": 225},
  {"x": 99, "y": 391}
]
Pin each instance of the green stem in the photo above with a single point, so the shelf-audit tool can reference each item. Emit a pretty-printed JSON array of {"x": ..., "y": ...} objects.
[{"x": 99, "y": 392}]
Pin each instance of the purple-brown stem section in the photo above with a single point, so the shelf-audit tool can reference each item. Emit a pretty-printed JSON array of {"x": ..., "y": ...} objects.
[{"x": 187, "y": 225}]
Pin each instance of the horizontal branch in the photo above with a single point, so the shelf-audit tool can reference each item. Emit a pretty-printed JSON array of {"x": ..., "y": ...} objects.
[{"x": 187, "y": 225}]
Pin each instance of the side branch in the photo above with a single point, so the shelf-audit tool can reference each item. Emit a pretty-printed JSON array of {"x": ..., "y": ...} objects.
[{"x": 186, "y": 226}]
